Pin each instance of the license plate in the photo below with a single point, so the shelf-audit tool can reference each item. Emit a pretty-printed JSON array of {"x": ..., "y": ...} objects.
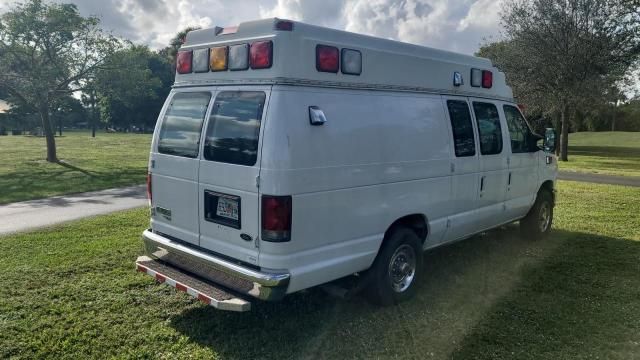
[{"x": 227, "y": 208}]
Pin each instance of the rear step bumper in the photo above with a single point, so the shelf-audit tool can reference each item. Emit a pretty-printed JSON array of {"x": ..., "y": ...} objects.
[
  {"x": 201, "y": 290},
  {"x": 241, "y": 279}
]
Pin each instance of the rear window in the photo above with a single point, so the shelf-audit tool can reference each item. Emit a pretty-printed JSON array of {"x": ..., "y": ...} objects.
[
  {"x": 182, "y": 124},
  {"x": 234, "y": 127}
]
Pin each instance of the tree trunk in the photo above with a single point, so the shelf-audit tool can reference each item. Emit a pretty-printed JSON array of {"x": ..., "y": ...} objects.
[
  {"x": 60, "y": 126},
  {"x": 93, "y": 114},
  {"x": 558, "y": 128},
  {"x": 49, "y": 136},
  {"x": 613, "y": 120},
  {"x": 564, "y": 135}
]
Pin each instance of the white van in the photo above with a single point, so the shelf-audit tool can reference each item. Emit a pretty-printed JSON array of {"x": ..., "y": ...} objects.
[{"x": 289, "y": 155}]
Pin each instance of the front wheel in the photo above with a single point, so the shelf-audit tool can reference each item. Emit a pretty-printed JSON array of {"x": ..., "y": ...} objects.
[
  {"x": 397, "y": 269},
  {"x": 537, "y": 223}
]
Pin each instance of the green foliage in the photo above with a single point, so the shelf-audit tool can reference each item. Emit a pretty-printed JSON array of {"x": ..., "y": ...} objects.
[
  {"x": 72, "y": 292},
  {"x": 132, "y": 90}
]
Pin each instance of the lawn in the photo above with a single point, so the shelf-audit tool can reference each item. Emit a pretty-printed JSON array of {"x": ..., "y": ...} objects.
[
  {"x": 611, "y": 153},
  {"x": 72, "y": 292},
  {"x": 106, "y": 161}
]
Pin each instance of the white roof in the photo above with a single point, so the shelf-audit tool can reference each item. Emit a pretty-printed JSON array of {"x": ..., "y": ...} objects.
[{"x": 386, "y": 64}]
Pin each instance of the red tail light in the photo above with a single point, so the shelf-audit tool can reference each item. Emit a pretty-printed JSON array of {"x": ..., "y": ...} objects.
[
  {"x": 276, "y": 218},
  {"x": 261, "y": 54},
  {"x": 183, "y": 62},
  {"x": 149, "y": 192},
  {"x": 487, "y": 79},
  {"x": 327, "y": 58}
]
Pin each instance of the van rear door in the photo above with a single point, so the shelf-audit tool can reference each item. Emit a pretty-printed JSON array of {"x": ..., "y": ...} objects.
[
  {"x": 174, "y": 166},
  {"x": 229, "y": 173}
]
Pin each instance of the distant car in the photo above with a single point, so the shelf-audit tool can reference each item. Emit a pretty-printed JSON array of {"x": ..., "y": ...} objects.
[{"x": 289, "y": 155}]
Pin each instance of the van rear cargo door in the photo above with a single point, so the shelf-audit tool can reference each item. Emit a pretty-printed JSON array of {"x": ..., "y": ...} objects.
[
  {"x": 229, "y": 170},
  {"x": 175, "y": 165}
]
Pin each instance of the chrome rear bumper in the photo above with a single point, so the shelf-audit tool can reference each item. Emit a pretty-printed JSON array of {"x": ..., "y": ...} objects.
[{"x": 244, "y": 280}]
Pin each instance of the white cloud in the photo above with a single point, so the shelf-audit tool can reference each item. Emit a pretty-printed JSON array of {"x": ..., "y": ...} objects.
[
  {"x": 482, "y": 14},
  {"x": 453, "y": 25}
]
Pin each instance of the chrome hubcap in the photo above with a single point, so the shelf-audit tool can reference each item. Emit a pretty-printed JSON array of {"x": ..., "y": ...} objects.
[
  {"x": 402, "y": 268},
  {"x": 545, "y": 217}
]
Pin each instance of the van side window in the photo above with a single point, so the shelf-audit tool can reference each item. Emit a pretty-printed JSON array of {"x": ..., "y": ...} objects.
[
  {"x": 462, "y": 128},
  {"x": 519, "y": 131},
  {"x": 182, "y": 124},
  {"x": 234, "y": 127},
  {"x": 488, "y": 128}
]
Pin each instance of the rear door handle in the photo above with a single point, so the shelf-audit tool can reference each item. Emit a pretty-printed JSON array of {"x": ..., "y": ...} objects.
[
  {"x": 482, "y": 183},
  {"x": 509, "y": 179}
]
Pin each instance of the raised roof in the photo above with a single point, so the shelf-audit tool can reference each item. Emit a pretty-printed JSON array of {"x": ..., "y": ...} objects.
[{"x": 386, "y": 64}]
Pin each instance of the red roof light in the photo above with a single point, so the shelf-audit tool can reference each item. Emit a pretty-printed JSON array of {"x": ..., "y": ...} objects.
[
  {"x": 183, "y": 62},
  {"x": 284, "y": 25},
  {"x": 261, "y": 54},
  {"x": 487, "y": 79},
  {"x": 327, "y": 58}
]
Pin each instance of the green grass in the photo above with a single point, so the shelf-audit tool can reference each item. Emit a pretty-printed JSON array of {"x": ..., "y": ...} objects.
[
  {"x": 610, "y": 153},
  {"x": 71, "y": 292},
  {"x": 106, "y": 161}
]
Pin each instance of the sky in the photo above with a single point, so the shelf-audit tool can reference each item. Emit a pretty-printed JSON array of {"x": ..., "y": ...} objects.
[{"x": 456, "y": 25}]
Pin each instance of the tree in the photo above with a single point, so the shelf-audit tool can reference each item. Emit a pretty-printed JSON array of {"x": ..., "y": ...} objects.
[
  {"x": 560, "y": 54},
  {"x": 132, "y": 92},
  {"x": 48, "y": 51}
]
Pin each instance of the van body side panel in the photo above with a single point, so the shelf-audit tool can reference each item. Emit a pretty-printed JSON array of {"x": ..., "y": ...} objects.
[{"x": 380, "y": 156}]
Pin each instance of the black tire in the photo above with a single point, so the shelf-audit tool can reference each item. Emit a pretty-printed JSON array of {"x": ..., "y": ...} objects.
[
  {"x": 385, "y": 289},
  {"x": 534, "y": 225}
]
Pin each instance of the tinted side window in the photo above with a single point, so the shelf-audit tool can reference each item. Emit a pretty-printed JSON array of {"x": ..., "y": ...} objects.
[
  {"x": 234, "y": 127},
  {"x": 488, "y": 128},
  {"x": 462, "y": 128},
  {"x": 182, "y": 124},
  {"x": 518, "y": 129}
]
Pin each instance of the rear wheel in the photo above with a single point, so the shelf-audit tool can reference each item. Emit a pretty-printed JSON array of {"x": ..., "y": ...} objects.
[
  {"x": 537, "y": 223},
  {"x": 397, "y": 269}
]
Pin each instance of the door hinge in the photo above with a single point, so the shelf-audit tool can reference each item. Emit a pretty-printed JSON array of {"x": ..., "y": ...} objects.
[{"x": 258, "y": 181}]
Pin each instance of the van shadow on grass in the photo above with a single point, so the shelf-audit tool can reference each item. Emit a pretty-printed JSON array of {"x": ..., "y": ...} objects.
[{"x": 493, "y": 286}]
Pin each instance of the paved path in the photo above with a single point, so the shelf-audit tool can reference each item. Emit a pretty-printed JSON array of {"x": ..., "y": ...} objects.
[
  {"x": 27, "y": 215},
  {"x": 599, "y": 178},
  {"x": 34, "y": 214}
]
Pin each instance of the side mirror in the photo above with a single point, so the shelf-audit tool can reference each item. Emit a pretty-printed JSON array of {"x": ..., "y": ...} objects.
[{"x": 549, "y": 144}]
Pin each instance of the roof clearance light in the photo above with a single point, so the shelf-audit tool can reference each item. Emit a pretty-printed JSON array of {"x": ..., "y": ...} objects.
[
  {"x": 327, "y": 58},
  {"x": 351, "y": 62},
  {"x": 476, "y": 77},
  {"x": 487, "y": 79},
  {"x": 201, "y": 60},
  {"x": 261, "y": 54},
  {"x": 183, "y": 62},
  {"x": 284, "y": 25},
  {"x": 218, "y": 58},
  {"x": 239, "y": 57}
]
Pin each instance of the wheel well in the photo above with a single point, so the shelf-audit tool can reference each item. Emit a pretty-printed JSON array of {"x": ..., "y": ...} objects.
[
  {"x": 416, "y": 222},
  {"x": 548, "y": 186}
]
